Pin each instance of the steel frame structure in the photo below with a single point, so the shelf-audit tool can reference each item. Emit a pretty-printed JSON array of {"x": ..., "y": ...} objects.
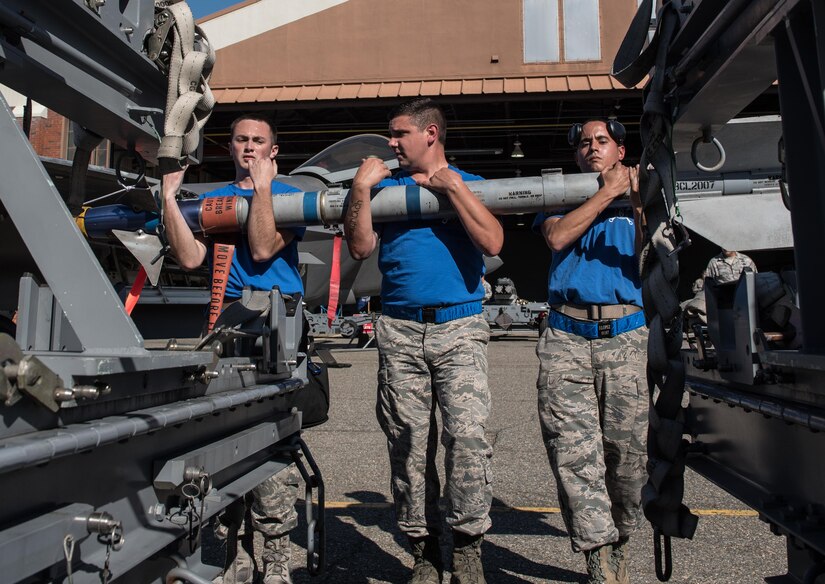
[
  {"x": 114, "y": 457},
  {"x": 756, "y": 416}
]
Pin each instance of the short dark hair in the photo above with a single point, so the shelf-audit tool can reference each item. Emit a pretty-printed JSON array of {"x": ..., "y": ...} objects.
[
  {"x": 615, "y": 129},
  {"x": 255, "y": 118},
  {"x": 423, "y": 111}
]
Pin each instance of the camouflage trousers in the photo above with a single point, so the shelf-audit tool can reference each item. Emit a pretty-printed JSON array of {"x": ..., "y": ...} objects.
[
  {"x": 593, "y": 410},
  {"x": 272, "y": 506},
  {"x": 273, "y": 503},
  {"x": 423, "y": 367}
]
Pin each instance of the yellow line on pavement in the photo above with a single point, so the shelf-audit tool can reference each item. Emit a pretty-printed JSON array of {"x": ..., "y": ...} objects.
[
  {"x": 548, "y": 510},
  {"x": 727, "y": 512}
]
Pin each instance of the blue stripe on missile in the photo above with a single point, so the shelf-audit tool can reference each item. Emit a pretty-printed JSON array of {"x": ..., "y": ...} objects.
[
  {"x": 99, "y": 221},
  {"x": 413, "y": 195},
  {"x": 311, "y": 207}
]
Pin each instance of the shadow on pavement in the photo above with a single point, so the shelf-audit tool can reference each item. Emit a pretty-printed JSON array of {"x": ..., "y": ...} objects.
[{"x": 365, "y": 546}]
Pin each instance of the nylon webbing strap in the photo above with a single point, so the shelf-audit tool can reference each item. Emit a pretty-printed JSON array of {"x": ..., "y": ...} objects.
[
  {"x": 633, "y": 60},
  {"x": 221, "y": 261},
  {"x": 189, "y": 101},
  {"x": 334, "y": 279},
  {"x": 137, "y": 288},
  {"x": 659, "y": 268},
  {"x": 219, "y": 215}
]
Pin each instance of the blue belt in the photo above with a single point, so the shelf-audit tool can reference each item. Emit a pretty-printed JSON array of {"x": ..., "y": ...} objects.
[
  {"x": 433, "y": 314},
  {"x": 595, "y": 329}
]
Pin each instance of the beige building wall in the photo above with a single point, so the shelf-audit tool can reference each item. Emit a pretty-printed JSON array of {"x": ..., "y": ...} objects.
[{"x": 393, "y": 41}]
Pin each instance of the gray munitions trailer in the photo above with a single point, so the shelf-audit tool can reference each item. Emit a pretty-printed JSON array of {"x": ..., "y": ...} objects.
[
  {"x": 755, "y": 372},
  {"x": 115, "y": 456}
]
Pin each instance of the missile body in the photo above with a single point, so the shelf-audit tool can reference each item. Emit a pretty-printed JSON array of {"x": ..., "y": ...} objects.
[
  {"x": 212, "y": 215},
  {"x": 550, "y": 192},
  {"x": 509, "y": 196}
]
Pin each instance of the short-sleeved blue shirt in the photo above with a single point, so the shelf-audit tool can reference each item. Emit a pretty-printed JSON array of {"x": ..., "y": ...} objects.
[
  {"x": 428, "y": 262},
  {"x": 281, "y": 270},
  {"x": 600, "y": 267}
]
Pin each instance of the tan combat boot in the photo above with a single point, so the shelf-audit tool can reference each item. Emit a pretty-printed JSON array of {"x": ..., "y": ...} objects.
[
  {"x": 241, "y": 570},
  {"x": 599, "y": 570},
  {"x": 428, "y": 567},
  {"x": 276, "y": 555},
  {"x": 618, "y": 560},
  {"x": 467, "y": 568}
]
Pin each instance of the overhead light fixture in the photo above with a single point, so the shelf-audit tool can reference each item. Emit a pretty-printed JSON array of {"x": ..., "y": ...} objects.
[{"x": 517, "y": 151}]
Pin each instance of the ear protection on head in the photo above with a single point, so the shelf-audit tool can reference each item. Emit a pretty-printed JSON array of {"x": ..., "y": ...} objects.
[{"x": 614, "y": 128}]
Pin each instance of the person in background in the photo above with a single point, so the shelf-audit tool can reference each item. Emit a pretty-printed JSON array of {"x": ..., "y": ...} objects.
[
  {"x": 724, "y": 268},
  {"x": 488, "y": 290}
]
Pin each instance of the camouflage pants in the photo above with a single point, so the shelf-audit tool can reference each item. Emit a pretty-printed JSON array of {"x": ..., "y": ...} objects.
[
  {"x": 421, "y": 367},
  {"x": 593, "y": 410},
  {"x": 273, "y": 503},
  {"x": 272, "y": 506}
]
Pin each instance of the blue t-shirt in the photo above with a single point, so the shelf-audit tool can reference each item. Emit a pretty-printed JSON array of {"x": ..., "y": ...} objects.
[
  {"x": 280, "y": 270},
  {"x": 428, "y": 262},
  {"x": 601, "y": 267}
]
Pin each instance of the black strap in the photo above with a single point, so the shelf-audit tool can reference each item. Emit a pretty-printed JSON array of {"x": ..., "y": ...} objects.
[
  {"x": 662, "y": 496},
  {"x": 663, "y": 572},
  {"x": 633, "y": 60}
]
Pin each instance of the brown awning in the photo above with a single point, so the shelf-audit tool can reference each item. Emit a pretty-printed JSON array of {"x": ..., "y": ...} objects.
[{"x": 429, "y": 88}]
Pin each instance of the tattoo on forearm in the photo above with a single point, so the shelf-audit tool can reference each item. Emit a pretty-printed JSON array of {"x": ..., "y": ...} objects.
[{"x": 355, "y": 209}]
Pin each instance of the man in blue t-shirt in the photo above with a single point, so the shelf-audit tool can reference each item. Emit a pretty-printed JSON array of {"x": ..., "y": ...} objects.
[
  {"x": 264, "y": 257},
  {"x": 591, "y": 385},
  {"x": 432, "y": 343}
]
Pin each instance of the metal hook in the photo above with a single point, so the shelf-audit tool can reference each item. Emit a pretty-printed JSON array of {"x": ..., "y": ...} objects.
[
  {"x": 707, "y": 138},
  {"x": 121, "y": 179},
  {"x": 685, "y": 242}
]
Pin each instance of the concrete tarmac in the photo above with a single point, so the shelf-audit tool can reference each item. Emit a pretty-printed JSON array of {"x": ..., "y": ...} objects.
[{"x": 527, "y": 542}]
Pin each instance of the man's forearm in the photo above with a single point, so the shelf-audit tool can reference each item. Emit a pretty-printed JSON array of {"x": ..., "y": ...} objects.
[
  {"x": 262, "y": 231},
  {"x": 569, "y": 228},
  {"x": 483, "y": 228},
  {"x": 189, "y": 252},
  {"x": 361, "y": 238}
]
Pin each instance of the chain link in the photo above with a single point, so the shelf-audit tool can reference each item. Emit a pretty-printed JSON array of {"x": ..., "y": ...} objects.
[
  {"x": 113, "y": 540},
  {"x": 106, "y": 572},
  {"x": 192, "y": 516}
]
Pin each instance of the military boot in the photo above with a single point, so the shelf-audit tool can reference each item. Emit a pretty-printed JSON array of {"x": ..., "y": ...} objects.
[
  {"x": 467, "y": 567},
  {"x": 276, "y": 555},
  {"x": 599, "y": 570},
  {"x": 241, "y": 570},
  {"x": 428, "y": 567},
  {"x": 618, "y": 560}
]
